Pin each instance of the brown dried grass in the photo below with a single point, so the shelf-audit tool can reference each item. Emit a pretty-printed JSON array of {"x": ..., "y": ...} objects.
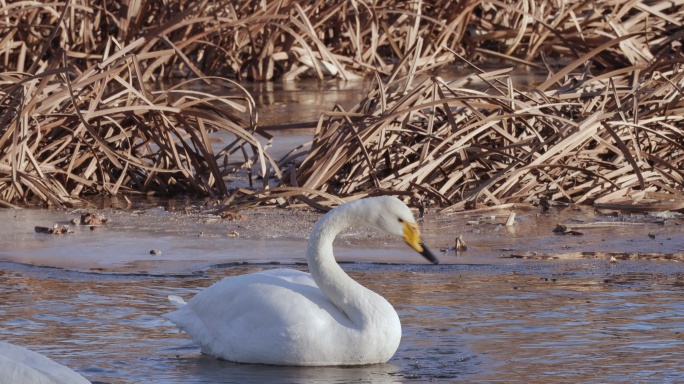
[
  {"x": 478, "y": 140},
  {"x": 76, "y": 119},
  {"x": 67, "y": 133},
  {"x": 287, "y": 39}
]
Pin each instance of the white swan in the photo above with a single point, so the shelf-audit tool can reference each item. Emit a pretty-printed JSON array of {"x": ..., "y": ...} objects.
[
  {"x": 19, "y": 365},
  {"x": 288, "y": 317}
]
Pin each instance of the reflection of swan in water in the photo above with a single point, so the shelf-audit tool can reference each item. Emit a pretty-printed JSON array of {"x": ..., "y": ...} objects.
[
  {"x": 19, "y": 365},
  {"x": 288, "y": 317},
  {"x": 206, "y": 369}
]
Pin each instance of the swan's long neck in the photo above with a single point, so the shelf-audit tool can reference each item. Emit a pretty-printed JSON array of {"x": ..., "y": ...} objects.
[{"x": 352, "y": 298}]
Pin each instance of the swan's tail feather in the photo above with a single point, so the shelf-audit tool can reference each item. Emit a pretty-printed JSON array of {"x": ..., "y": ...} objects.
[{"x": 177, "y": 300}]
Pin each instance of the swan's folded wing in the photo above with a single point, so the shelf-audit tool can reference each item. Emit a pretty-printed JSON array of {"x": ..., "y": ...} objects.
[{"x": 265, "y": 317}]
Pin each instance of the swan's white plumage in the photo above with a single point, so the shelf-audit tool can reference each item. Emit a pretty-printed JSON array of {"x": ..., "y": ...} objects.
[
  {"x": 19, "y": 365},
  {"x": 288, "y": 317}
]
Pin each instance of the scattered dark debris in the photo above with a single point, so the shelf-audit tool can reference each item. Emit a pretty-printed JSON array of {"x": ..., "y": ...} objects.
[
  {"x": 612, "y": 257},
  {"x": 55, "y": 230},
  {"x": 460, "y": 245},
  {"x": 233, "y": 216},
  {"x": 563, "y": 229},
  {"x": 210, "y": 235},
  {"x": 530, "y": 256},
  {"x": 578, "y": 228},
  {"x": 544, "y": 203},
  {"x": 93, "y": 219}
]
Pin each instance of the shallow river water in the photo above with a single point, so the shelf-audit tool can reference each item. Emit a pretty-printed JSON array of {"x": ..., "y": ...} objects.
[{"x": 583, "y": 321}]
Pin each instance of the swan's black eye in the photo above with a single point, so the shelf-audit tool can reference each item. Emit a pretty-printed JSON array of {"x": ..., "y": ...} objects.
[{"x": 400, "y": 220}]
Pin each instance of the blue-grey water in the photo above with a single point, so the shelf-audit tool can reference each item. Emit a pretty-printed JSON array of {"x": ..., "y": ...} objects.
[{"x": 584, "y": 321}]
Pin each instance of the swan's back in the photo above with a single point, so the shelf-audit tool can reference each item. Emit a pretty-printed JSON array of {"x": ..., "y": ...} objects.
[{"x": 19, "y": 365}]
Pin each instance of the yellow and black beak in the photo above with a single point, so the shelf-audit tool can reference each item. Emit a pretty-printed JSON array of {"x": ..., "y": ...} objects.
[{"x": 412, "y": 238}]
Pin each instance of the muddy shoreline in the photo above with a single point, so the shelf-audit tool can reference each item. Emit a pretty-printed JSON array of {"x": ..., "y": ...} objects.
[{"x": 184, "y": 237}]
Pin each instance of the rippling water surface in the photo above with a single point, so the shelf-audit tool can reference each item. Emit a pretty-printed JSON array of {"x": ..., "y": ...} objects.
[{"x": 572, "y": 322}]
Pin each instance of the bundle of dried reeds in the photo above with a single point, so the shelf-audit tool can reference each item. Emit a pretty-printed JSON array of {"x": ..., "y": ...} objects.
[
  {"x": 340, "y": 38},
  {"x": 66, "y": 132},
  {"x": 479, "y": 140}
]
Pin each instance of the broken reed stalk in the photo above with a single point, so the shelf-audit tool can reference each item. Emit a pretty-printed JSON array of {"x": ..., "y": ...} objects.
[
  {"x": 338, "y": 38},
  {"x": 67, "y": 133},
  {"x": 478, "y": 140}
]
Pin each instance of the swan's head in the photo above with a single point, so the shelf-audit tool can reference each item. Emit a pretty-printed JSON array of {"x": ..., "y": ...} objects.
[{"x": 390, "y": 215}]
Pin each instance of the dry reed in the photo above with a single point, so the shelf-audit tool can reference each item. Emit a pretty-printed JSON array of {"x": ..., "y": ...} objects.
[
  {"x": 75, "y": 117},
  {"x": 478, "y": 140},
  {"x": 287, "y": 39},
  {"x": 67, "y": 133}
]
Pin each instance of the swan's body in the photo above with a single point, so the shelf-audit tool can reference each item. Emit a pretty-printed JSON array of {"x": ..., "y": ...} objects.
[
  {"x": 288, "y": 317},
  {"x": 19, "y": 365}
]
